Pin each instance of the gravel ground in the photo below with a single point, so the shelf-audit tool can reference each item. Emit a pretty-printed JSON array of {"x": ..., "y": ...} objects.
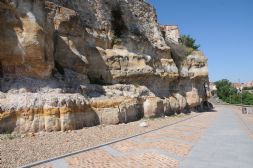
[{"x": 17, "y": 150}]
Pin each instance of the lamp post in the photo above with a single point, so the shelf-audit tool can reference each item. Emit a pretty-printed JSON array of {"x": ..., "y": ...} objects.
[
  {"x": 230, "y": 92},
  {"x": 243, "y": 109},
  {"x": 241, "y": 96}
]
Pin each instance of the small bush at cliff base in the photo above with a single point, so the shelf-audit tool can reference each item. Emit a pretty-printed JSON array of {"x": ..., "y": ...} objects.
[{"x": 188, "y": 41}]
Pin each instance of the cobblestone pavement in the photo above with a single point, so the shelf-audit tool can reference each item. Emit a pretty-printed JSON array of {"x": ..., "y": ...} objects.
[{"x": 165, "y": 147}]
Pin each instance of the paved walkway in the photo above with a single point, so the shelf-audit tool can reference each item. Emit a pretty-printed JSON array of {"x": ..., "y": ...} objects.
[
  {"x": 247, "y": 119},
  {"x": 226, "y": 144},
  {"x": 213, "y": 139},
  {"x": 164, "y": 148}
]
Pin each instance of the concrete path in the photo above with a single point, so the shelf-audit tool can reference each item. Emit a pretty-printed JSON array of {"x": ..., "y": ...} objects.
[{"x": 226, "y": 144}]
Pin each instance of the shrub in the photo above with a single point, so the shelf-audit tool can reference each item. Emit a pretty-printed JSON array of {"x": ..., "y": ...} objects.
[
  {"x": 188, "y": 41},
  {"x": 227, "y": 93}
]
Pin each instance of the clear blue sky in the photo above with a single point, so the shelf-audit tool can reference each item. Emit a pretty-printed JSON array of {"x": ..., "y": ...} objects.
[{"x": 223, "y": 28}]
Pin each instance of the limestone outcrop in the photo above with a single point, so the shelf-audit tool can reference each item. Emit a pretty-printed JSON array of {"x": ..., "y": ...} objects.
[{"x": 73, "y": 64}]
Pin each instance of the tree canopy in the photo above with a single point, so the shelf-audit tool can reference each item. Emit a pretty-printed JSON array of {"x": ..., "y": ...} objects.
[{"x": 227, "y": 93}]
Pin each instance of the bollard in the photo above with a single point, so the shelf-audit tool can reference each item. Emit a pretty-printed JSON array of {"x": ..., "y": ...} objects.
[{"x": 244, "y": 110}]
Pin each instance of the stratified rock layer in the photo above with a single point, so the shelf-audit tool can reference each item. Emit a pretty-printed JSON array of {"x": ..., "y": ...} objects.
[{"x": 72, "y": 64}]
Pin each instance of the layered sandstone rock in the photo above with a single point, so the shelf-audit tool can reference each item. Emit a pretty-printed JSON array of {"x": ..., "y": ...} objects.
[
  {"x": 153, "y": 107},
  {"x": 26, "y": 39},
  {"x": 71, "y": 64},
  {"x": 192, "y": 67},
  {"x": 171, "y": 32}
]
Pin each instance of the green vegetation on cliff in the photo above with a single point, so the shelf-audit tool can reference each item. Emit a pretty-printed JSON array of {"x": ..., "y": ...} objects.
[{"x": 188, "y": 41}]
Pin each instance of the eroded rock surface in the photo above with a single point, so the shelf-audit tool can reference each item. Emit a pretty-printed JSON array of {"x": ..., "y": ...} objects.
[{"x": 72, "y": 64}]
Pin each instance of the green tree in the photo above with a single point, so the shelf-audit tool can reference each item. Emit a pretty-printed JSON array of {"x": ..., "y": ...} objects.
[
  {"x": 188, "y": 41},
  {"x": 227, "y": 93},
  {"x": 247, "y": 98},
  {"x": 224, "y": 89}
]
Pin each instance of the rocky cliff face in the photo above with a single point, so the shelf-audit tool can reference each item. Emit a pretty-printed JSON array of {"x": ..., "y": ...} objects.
[{"x": 70, "y": 64}]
